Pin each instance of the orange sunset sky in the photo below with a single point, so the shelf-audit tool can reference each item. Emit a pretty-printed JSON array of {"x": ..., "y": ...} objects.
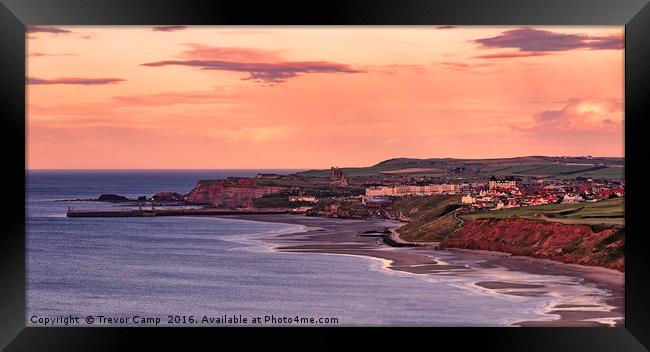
[{"x": 311, "y": 97}]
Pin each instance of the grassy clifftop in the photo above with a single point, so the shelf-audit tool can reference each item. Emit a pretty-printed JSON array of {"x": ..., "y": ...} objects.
[
  {"x": 437, "y": 224},
  {"x": 431, "y": 218},
  {"x": 607, "y": 212},
  {"x": 528, "y": 166},
  {"x": 422, "y": 209}
]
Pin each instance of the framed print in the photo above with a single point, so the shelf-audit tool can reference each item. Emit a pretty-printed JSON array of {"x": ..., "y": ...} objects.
[{"x": 469, "y": 173}]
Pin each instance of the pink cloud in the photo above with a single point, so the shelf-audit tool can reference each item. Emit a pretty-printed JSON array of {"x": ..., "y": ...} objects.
[
  {"x": 510, "y": 55},
  {"x": 74, "y": 81},
  {"x": 392, "y": 69},
  {"x": 581, "y": 115},
  {"x": 263, "y": 72},
  {"x": 536, "y": 40},
  {"x": 255, "y": 135},
  {"x": 456, "y": 64},
  {"x": 46, "y": 55},
  {"x": 204, "y": 52},
  {"x": 174, "y": 98},
  {"x": 466, "y": 67},
  {"x": 262, "y": 66}
]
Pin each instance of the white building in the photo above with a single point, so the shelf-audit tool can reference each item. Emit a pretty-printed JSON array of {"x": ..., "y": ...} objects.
[
  {"x": 468, "y": 199},
  {"x": 497, "y": 184},
  {"x": 377, "y": 191},
  {"x": 571, "y": 198},
  {"x": 412, "y": 190}
]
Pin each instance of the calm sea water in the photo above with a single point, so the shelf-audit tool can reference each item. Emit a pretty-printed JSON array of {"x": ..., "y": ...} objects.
[{"x": 184, "y": 266}]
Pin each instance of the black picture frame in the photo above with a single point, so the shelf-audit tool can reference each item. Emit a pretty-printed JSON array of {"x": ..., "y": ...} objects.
[{"x": 15, "y": 15}]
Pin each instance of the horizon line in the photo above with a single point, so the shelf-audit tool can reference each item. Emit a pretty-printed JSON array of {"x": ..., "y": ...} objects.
[{"x": 308, "y": 168}]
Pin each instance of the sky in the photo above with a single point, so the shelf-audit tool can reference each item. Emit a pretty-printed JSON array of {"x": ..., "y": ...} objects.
[{"x": 211, "y": 97}]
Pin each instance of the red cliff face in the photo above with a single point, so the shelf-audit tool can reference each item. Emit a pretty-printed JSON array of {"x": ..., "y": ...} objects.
[
  {"x": 229, "y": 193},
  {"x": 568, "y": 243}
]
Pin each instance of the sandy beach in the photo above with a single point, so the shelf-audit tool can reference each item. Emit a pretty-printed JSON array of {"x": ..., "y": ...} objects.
[{"x": 574, "y": 303}]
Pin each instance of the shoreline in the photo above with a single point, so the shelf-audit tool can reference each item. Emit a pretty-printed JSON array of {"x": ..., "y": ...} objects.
[{"x": 350, "y": 237}]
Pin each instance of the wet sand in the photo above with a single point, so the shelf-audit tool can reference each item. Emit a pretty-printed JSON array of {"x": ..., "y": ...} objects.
[
  {"x": 495, "y": 285},
  {"x": 352, "y": 237}
]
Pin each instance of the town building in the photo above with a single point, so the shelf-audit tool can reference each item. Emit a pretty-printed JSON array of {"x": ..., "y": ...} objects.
[
  {"x": 338, "y": 178},
  {"x": 508, "y": 182},
  {"x": 571, "y": 198},
  {"x": 412, "y": 190},
  {"x": 467, "y": 199},
  {"x": 335, "y": 173}
]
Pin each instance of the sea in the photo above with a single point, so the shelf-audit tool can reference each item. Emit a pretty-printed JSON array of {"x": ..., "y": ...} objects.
[{"x": 177, "y": 271}]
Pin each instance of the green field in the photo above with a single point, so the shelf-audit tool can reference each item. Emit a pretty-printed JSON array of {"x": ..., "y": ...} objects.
[
  {"x": 512, "y": 170},
  {"x": 562, "y": 171},
  {"x": 559, "y": 170},
  {"x": 610, "y": 212},
  {"x": 544, "y": 166},
  {"x": 354, "y": 171},
  {"x": 610, "y": 173}
]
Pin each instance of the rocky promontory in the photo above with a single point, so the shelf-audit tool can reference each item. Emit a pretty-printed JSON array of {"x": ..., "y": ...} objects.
[
  {"x": 112, "y": 198},
  {"x": 229, "y": 193},
  {"x": 169, "y": 197}
]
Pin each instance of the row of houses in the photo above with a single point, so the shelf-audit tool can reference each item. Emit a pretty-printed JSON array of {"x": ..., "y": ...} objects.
[
  {"x": 412, "y": 190},
  {"x": 498, "y": 199}
]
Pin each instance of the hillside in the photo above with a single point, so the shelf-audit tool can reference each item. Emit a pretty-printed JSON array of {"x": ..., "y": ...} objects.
[
  {"x": 414, "y": 209},
  {"x": 607, "y": 212},
  {"x": 528, "y": 166},
  {"x": 581, "y": 233},
  {"x": 430, "y": 219},
  {"x": 420, "y": 210},
  {"x": 595, "y": 245},
  {"x": 430, "y": 231}
]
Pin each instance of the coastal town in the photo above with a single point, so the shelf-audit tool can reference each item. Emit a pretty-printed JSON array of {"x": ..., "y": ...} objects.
[
  {"x": 509, "y": 192},
  {"x": 477, "y": 194},
  {"x": 569, "y": 209},
  {"x": 363, "y": 192}
]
